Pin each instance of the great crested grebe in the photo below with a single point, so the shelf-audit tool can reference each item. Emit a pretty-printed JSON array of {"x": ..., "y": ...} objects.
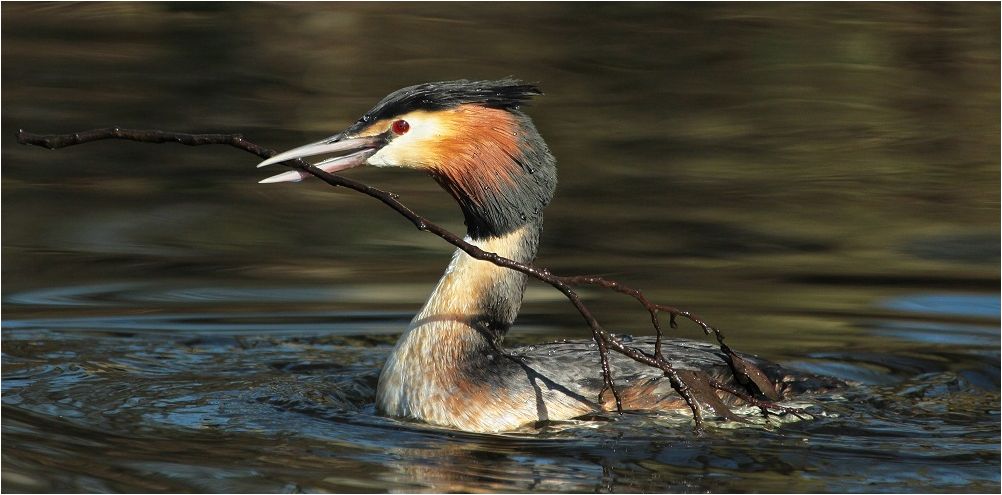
[{"x": 448, "y": 368}]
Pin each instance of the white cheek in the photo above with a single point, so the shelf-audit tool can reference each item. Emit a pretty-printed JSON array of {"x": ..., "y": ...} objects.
[
  {"x": 391, "y": 155},
  {"x": 380, "y": 159},
  {"x": 402, "y": 150}
]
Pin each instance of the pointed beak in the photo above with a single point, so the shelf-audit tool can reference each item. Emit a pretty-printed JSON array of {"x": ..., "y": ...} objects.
[{"x": 354, "y": 152}]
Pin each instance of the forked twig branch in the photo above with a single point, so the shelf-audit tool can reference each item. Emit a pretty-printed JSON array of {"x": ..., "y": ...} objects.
[{"x": 689, "y": 385}]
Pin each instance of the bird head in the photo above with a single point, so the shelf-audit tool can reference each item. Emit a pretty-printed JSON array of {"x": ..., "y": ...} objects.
[{"x": 471, "y": 136}]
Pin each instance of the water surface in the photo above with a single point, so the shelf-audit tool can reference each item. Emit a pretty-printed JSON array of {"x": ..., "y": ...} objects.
[{"x": 821, "y": 181}]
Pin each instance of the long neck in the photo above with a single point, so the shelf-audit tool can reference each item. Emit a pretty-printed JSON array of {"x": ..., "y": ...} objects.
[
  {"x": 502, "y": 181},
  {"x": 456, "y": 335},
  {"x": 477, "y": 301}
]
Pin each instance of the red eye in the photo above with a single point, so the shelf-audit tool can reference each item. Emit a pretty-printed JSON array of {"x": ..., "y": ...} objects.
[{"x": 400, "y": 127}]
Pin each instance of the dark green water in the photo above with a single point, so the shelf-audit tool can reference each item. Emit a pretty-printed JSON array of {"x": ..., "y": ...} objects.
[{"x": 819, "y": 180}]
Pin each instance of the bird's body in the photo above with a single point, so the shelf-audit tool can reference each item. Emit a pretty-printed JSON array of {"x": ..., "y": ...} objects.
[{"x": 449, "y": 367}]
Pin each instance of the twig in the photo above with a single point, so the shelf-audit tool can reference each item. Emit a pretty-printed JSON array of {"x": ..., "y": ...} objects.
[{"x": 564, "y": 284}]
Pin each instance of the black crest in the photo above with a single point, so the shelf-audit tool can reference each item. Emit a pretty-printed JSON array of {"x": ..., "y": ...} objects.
[{"x": 506, "y": 94}]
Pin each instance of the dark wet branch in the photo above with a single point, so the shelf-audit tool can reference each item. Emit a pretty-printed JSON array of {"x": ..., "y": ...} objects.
[{"x": 693, "y": 387}]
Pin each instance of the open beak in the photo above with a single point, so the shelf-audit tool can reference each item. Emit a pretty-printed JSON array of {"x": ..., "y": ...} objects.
[{"x": 353, "y": 153}]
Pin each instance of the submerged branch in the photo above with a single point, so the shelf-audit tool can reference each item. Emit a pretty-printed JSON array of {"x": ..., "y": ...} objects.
[{"x": 693, "y": 387}]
